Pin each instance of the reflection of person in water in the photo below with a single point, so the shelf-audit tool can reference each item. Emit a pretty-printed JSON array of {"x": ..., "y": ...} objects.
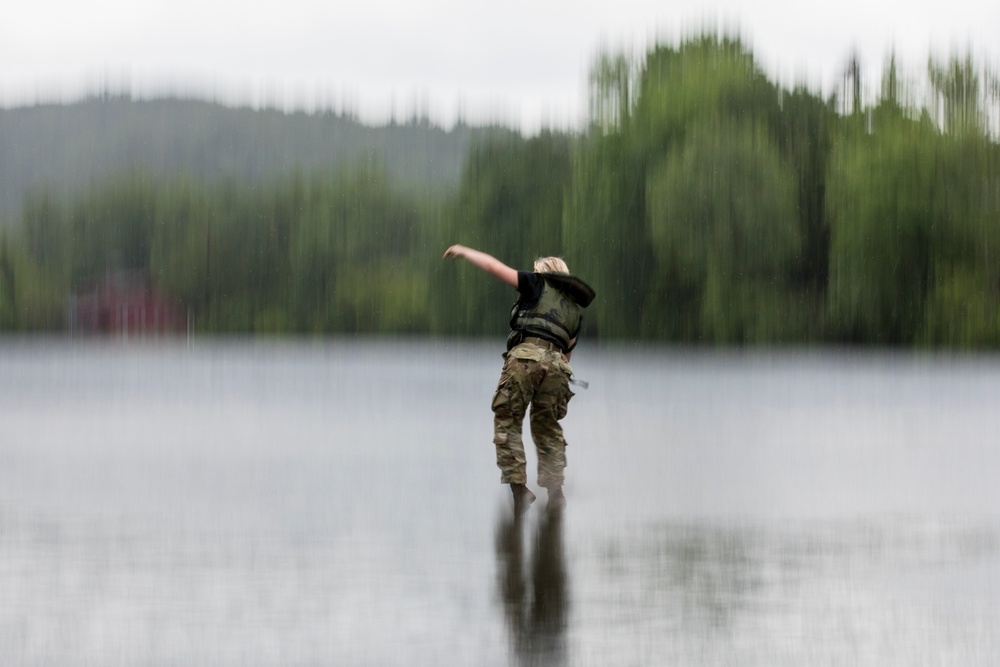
[{"x": 536, "y": 606}]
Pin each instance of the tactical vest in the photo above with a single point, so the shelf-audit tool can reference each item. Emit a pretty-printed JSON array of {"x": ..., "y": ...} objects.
[{"x": 555, "y": 316}]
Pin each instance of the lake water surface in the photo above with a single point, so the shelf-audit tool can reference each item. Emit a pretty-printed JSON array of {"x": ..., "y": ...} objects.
[{"x": 337, "y": 503}]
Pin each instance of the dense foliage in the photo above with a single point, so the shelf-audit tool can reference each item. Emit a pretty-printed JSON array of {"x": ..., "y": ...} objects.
[{"x": 704, "y": 204}]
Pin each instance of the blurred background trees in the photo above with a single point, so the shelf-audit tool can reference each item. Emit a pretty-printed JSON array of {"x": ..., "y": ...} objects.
[{"x": 704, "y": 203}]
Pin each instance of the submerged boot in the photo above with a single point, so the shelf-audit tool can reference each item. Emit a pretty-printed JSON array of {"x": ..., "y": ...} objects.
[
  {"x": 557, "y": 499},
  {"x": 523, "y": 497}
]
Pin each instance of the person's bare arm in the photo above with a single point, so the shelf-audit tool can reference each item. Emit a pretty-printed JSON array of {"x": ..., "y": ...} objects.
[{"x": 484, "y": 261}]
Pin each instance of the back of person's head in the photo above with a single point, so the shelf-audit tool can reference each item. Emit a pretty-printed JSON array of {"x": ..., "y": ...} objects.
[{"x": 550, "y": 265}]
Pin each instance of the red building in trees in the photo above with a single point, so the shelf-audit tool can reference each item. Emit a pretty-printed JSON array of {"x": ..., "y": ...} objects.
[{"x": 126, "y": 304}]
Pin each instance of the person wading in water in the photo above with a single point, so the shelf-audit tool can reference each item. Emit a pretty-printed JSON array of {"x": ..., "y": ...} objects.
[{"x": 544, "y": 322}]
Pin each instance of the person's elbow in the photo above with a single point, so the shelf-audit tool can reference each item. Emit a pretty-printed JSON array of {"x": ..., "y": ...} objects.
[{"x": 505, "y": 273}]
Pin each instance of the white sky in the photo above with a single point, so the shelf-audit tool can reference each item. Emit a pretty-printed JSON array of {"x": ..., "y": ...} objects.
[{"x": 523, "y": 62}]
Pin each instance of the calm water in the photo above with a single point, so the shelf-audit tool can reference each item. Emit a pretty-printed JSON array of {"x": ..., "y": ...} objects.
[{"x": 239, "y": 503}]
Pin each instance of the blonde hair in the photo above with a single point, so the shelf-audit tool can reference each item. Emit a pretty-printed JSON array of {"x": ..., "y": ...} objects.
[{"x": 550, "y": 265}]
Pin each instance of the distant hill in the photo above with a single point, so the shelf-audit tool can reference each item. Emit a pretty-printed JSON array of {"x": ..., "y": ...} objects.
[{"x": 68, "y": 146}]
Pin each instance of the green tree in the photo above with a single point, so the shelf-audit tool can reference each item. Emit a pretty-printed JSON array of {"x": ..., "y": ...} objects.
[
  {"x": 803, "y": 131},
  {"x": 350, "y": 248},
  {"x": 32, "y": 298},
  {"x": 611, "y": 89},
  {"x": 179, "y": 257},
  {"x": 722, "y": 213},
  {"x": 963, "y": 303},
  {"x": 607, "y": 236},
  {"x": 7, "y": 306},
  {"x": 961, "y": 96},
  {"x": 882, "y": 219},
  {"x": 111, "y": 228},
  {"x": 620, "y": 175}
]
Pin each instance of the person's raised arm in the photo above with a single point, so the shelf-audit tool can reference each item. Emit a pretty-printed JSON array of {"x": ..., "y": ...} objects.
[{"x": 484, "y": 261}]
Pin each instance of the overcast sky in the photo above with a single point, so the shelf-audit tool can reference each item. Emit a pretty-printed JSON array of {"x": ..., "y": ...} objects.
[{"x": 523, "y": 62}]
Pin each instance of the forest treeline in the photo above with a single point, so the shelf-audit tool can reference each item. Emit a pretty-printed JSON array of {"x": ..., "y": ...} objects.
[
  {"x": 704, "y": 203},
  {"x": 71, "y": 147}
]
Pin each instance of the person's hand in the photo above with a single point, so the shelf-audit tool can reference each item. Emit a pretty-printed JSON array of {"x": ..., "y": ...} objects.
[{"x": 484, "y": 261}]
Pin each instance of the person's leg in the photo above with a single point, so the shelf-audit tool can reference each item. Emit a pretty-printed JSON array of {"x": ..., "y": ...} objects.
[
  {"x": 548, "y": 406},
  {"x": 510, "y": 401}
]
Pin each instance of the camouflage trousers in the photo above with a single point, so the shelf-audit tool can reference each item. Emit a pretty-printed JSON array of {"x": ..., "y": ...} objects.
[{"x": 539, "y": 378}]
